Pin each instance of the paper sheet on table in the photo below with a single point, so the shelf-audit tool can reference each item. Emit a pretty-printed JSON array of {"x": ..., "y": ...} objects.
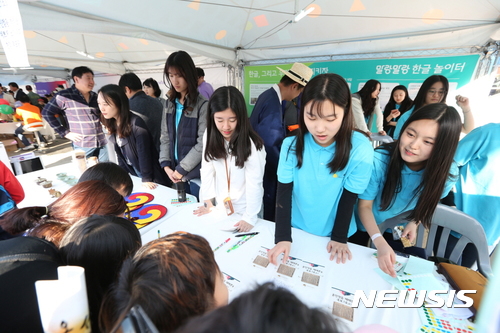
[
  {"x": 393, "y": 281},
  {"x": 294, "y": 273},
  {"x": 422, "y": 282},
  {"x": 416, "y": 265}
]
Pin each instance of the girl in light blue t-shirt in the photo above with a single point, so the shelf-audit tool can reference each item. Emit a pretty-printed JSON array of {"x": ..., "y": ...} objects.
[
  {"x": 411, "y": 174},
  {"x": 435, "y": 90},
  {"x": 324, "y": 167}
]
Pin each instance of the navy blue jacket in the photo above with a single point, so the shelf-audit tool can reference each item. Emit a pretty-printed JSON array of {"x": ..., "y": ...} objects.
[
  {"x": 151, "y": 109},
  {"x": 267, "y": 121},
  {"x": 139, "y": 149}
]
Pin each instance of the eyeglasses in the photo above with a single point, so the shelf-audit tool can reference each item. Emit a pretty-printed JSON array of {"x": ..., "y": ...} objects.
[{"x": 433, "y": 92}]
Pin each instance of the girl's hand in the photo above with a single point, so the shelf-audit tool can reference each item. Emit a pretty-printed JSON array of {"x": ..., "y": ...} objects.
[
  {"x": 281, "y": 247},
  {"x": 382, "y": 133},
  {"x": 202, "y": 210},
  {"x": 205, "y": 209},
  {"x": 170, "y": 174},
  {"x": 463, "y": 103},
  {"x": 410, "y": 231},
  {"x": 340, "y": 250},
  {"x": 149, "y": 185},
  {"x": 176, "y": 175},
  {"x": 243, "y": 226},
  {"x": 386, "y": 258},
  {"x": 395, "y": 113}
]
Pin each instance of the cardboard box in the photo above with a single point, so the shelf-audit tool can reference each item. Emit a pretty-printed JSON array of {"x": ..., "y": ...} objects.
[{"x": 10, "y": 145}]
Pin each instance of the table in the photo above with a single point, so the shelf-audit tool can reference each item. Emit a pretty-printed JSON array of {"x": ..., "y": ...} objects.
[
  {"x": 357, "y": 274},
  {"x": 36, "y": 195}
]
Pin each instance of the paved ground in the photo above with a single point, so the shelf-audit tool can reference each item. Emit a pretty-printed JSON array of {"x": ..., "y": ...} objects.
[{"x": 56, "y": 153}]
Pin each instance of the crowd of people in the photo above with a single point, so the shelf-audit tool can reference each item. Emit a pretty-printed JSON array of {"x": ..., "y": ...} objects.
[{"x": 321, "y": 175}]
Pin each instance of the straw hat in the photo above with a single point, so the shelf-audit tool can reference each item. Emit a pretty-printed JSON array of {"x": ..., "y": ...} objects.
[{"x": 300, "y": 73}]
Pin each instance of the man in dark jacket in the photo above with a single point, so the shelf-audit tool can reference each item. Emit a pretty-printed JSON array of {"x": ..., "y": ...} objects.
[
  {"x": 149, "y": 108},
  {"x": 15, "y": 89},
  {"x": 267, "y": 120}
]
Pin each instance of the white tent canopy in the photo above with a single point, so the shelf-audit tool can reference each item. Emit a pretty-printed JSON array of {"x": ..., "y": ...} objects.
[{"x": 125, "y": 35}]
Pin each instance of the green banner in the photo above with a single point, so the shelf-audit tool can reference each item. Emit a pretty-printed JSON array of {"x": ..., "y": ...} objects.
[{"x": 410, "y": 72}]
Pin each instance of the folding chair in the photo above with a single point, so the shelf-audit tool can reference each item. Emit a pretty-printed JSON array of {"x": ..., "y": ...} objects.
[{"x": 450, "y": 219}]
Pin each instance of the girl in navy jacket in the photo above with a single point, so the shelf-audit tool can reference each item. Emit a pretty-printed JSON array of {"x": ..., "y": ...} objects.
[{"x": 133, "y": 143}]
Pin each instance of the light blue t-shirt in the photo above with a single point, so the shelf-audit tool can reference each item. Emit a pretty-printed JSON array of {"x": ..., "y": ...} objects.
[
  {"x": 178, "y": 113},
  {"x": 404, "y": 200},
  {"x": 401, "y": 121},
  {"x": 478, "y": 186},
  {"x": 316, "y": 191}
]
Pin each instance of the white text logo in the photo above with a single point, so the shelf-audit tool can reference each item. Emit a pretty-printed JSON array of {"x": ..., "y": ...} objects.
[{"x": 410, "y": 299}]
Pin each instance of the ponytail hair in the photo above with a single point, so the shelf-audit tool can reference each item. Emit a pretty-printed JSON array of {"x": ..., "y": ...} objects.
[
  {"x": 82, "y": 200},
  {"x": 19, "y": 220}
]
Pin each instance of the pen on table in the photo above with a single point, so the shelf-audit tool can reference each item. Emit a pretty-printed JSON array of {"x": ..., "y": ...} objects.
[
  {"x": 248, "y": 234},
  {"x": 225, "y": 242},
  {"x": 159, "y": 234},
  {"x": 240, "y": 243},
  {"x": 237, "y": 243}
]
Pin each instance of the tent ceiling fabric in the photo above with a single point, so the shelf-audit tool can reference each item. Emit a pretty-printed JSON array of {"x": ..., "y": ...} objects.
[{"x": 125, "y": 35}]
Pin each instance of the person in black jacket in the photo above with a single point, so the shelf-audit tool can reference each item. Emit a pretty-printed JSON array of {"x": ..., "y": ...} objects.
[
  {"x": 150, "y": 109},
  {"x": 23, "y": 261},
  {"x": 133, "y": 142}
]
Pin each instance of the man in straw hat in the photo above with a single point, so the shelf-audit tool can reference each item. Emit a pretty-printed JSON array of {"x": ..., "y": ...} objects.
[{"x": 267, "y": 120}]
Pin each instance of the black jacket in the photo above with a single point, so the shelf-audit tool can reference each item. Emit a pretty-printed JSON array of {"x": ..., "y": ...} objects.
[
  {"x": 139, "y": 150},
  {"x": 151, "y": 110}
]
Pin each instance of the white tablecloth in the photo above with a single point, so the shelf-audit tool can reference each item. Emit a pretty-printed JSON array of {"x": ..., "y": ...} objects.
[
  {"x": 36, "y": 195},
  {"x": 357, "y": 274}
]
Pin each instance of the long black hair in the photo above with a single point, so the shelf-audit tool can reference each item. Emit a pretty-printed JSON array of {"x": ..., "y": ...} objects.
[
  {"x": 152, "y": 83},
  {"x": 419, "y": 100},
  {"x": 184, "y": 64},
  {"x": 333, "y": 88},
  {"x": 403, "y": 107},
  {"x": 437, "y": 167},
  {"x": 367, "y": 101},
  {"x": 114, "y": 95},
  {"x": 99, "y": 244},
  {"x": 240, "y": 146}
]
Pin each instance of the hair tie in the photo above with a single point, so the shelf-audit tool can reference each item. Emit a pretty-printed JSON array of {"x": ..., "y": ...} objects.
[{"x": 46, "y": 215}]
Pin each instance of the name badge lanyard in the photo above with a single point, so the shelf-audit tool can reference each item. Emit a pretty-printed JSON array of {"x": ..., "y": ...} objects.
[{"x": 228, "y": 177}]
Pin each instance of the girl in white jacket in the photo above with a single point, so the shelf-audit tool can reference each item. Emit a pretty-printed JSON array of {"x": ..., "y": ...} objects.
[
  {"x": 233, "y": 161},
  {"x": 365, "y": 107}
]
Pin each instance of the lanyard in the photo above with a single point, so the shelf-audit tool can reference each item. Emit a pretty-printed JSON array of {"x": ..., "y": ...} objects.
[{"x": 228, "y": 175}]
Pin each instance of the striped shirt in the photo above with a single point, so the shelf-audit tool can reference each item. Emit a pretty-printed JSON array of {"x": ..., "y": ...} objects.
[{"x": 83, "y": 118}]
